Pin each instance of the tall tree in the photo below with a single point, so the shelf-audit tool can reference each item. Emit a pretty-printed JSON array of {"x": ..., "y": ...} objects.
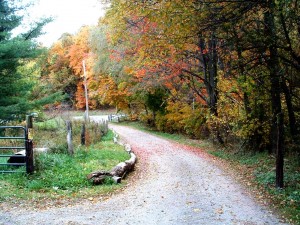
[{"x": 15, "y": 87}]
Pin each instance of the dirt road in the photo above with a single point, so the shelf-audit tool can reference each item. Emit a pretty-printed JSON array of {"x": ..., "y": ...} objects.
[{"x": 174, "y": 186}]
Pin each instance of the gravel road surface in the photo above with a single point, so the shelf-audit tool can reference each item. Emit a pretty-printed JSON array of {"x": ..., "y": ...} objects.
[{"x": 174, "y": 184}]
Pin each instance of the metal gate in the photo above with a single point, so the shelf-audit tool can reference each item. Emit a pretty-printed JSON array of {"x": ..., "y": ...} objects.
[{"x": 16, "y": 151}]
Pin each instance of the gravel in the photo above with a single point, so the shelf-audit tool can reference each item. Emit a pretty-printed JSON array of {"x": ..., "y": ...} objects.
[{"x": 173, "y": 184}]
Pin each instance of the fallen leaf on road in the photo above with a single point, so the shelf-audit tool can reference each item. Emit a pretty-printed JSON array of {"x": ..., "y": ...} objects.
[
  {"x": 219, "y": 211},
  {"x": 197, "y": 210}
]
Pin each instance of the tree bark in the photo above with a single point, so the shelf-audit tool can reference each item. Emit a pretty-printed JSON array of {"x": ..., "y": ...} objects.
[
  {"x": 117, "y": 173},
  {"x": 280, "y": 152},
  {"x": 209, "y": 68},
  {"x": 290, "y": 108},
  {"x": 275, "y": 77}
]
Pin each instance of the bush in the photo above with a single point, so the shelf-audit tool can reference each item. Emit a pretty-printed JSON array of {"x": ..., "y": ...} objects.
[{"x": 180, "y": 117}]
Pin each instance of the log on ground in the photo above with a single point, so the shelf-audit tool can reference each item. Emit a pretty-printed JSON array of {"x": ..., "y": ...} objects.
[{"x": 117, "y": 173}]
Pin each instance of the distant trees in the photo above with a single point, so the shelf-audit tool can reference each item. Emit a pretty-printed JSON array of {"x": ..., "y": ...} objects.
[
  {"x": 56, "y": 73},
  {"x": 63, "y": 70}
]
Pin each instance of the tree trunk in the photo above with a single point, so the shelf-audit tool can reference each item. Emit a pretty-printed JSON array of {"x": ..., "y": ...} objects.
[
  {"x": 290, "y": 108},
  {"x": 275, "y": 77},
  {"x": 209, "y": 68},
  {"x": 213, "y": 75},
  {"x": 280, "y": 153}
]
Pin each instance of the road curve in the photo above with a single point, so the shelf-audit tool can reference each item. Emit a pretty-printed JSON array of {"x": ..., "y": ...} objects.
[{"x": 175, "y": 185}]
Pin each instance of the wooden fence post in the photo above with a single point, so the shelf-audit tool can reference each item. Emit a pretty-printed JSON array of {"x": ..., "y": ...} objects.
[
  {"x": 83, "y": 134},
  {"x": 106, "y": 126},
  {"x": 69, "y": 137},
  {"x": 29, "y": 145}
]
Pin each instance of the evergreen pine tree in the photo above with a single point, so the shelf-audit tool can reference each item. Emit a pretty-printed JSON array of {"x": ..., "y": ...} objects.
[{"x": 15, "y": 87}]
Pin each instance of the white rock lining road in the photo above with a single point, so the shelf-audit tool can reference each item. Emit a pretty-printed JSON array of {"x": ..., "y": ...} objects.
[{"x": 174, "y": 186}]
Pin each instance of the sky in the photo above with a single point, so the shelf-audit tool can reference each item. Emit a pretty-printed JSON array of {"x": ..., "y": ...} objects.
[{"x": 69, "y": 16}]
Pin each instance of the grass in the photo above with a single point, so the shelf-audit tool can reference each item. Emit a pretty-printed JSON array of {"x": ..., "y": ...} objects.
[
  {"x": 52, "y": 133},
  {"x": 59, "y": 175},
  {"x": 257, "y": 169}
]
